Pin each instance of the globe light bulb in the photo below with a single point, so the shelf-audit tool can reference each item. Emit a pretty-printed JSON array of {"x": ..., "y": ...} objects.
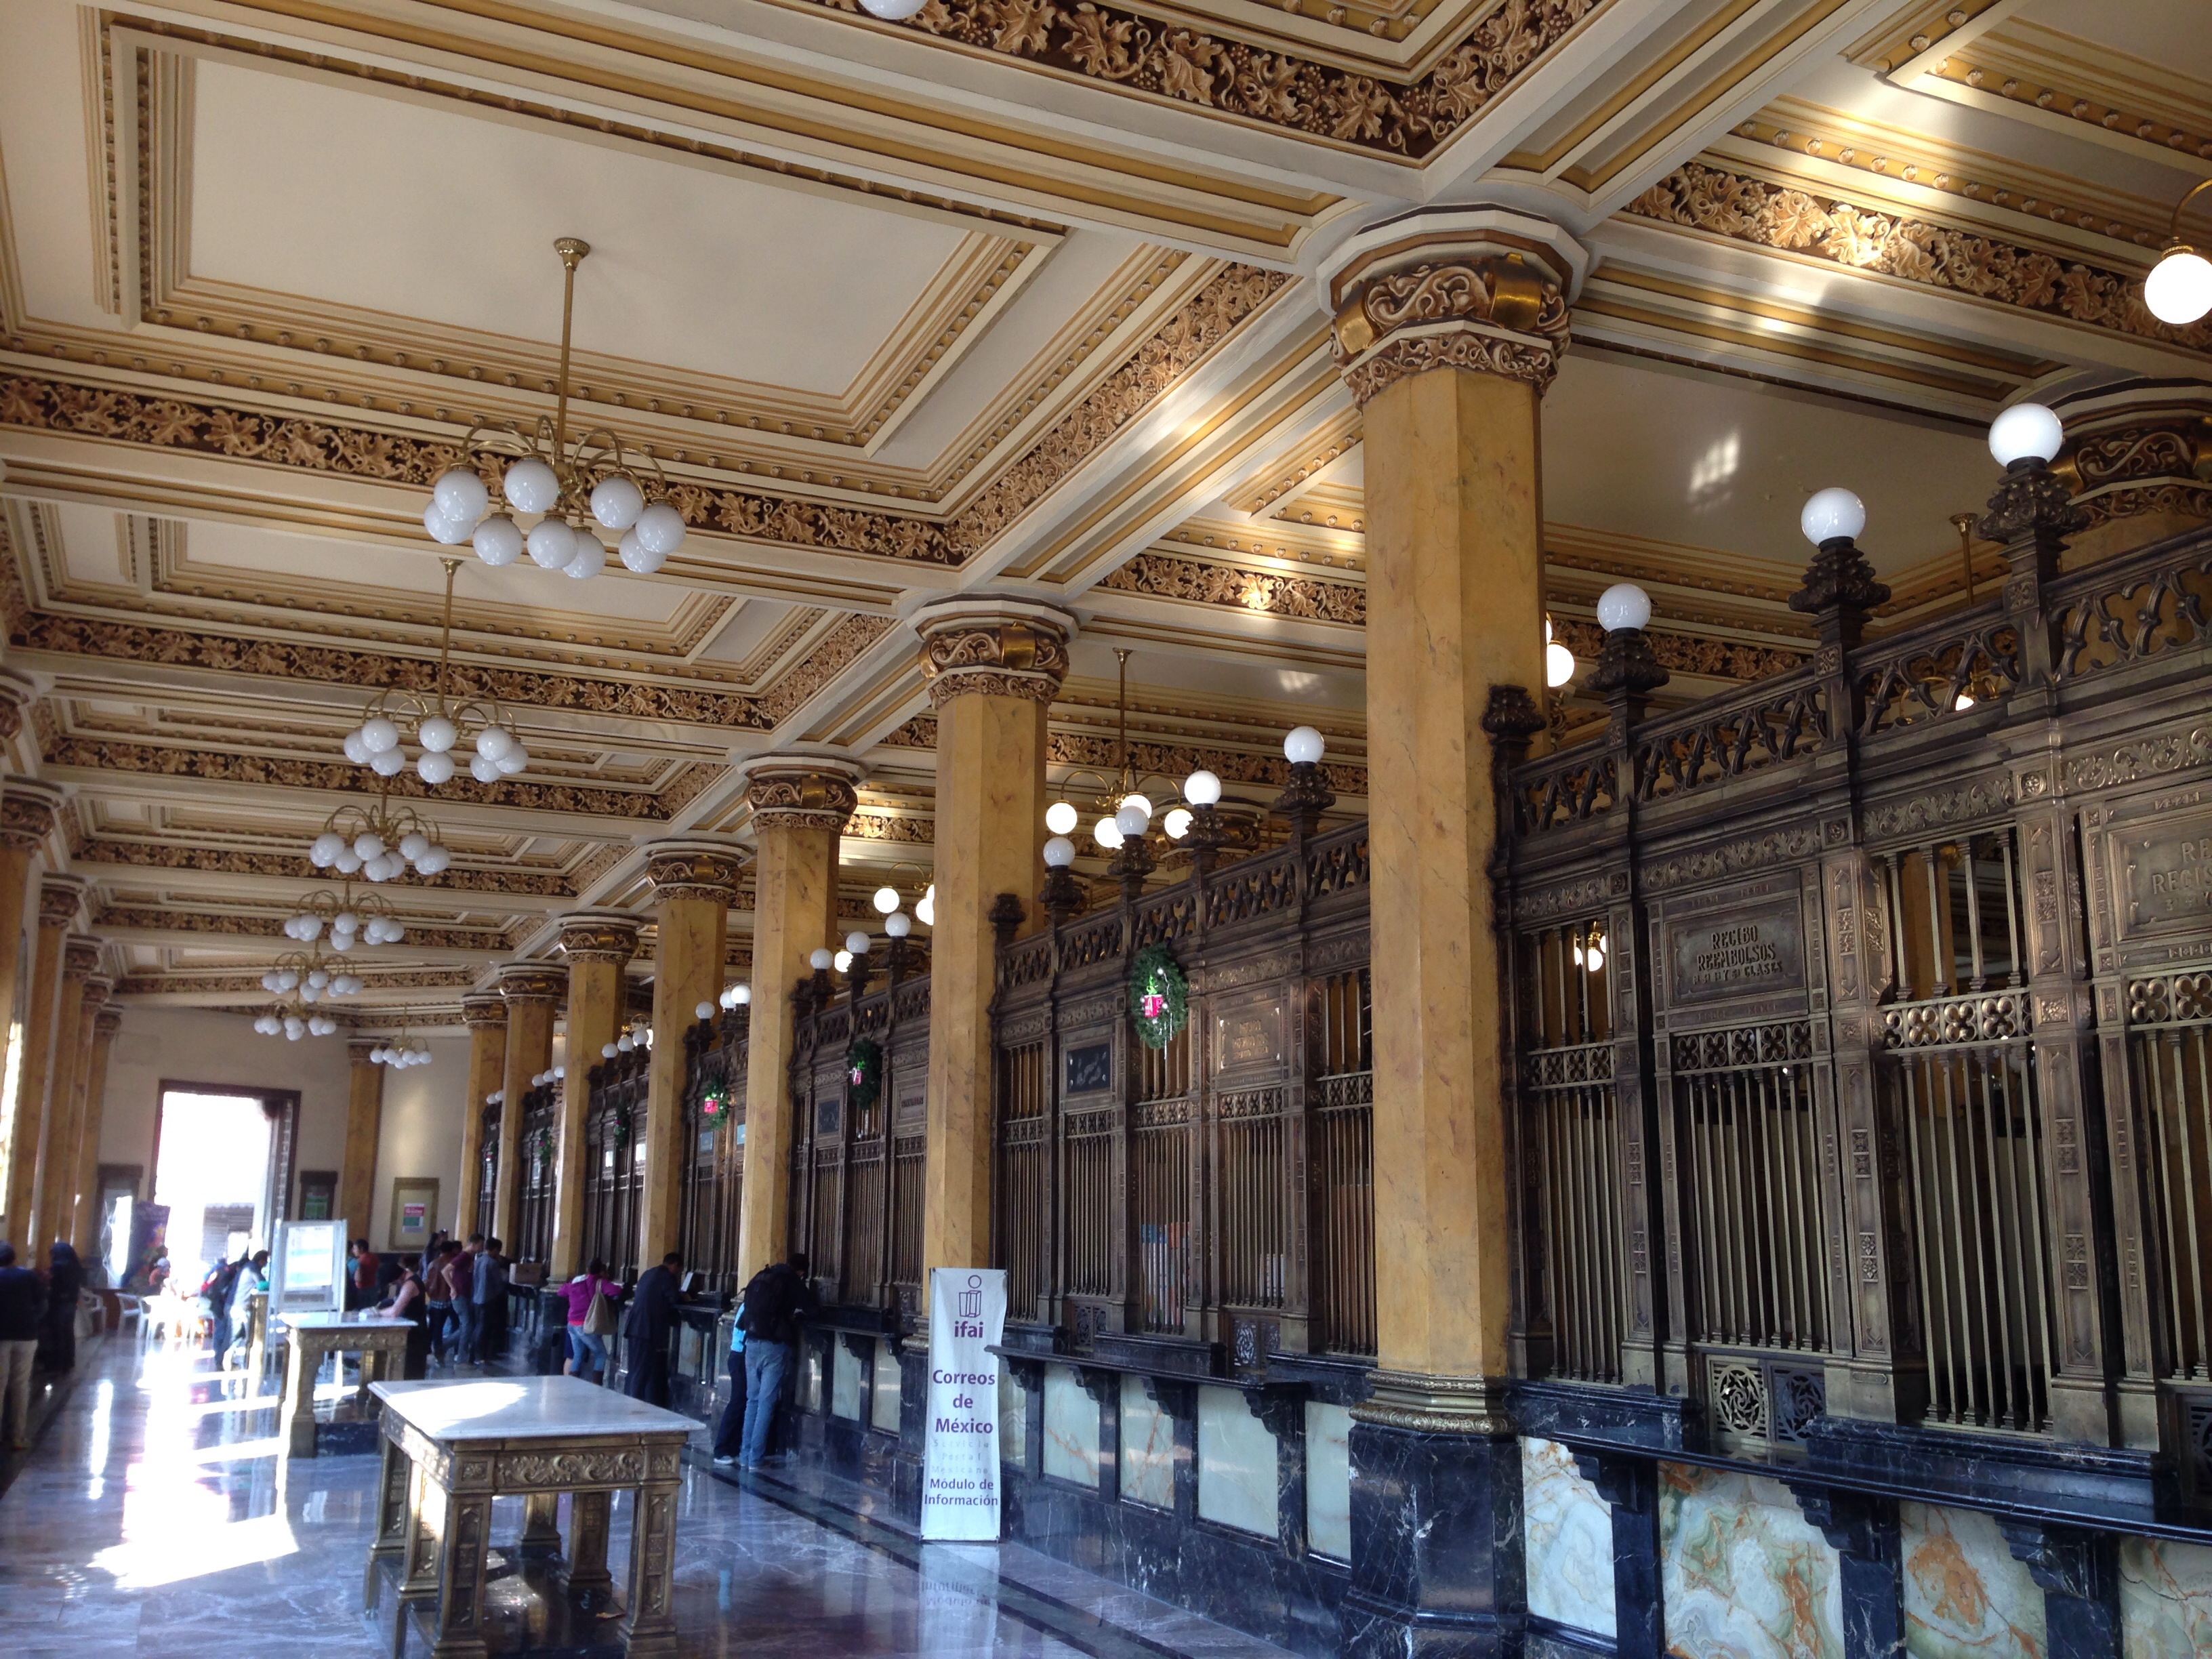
[
  {"x": 1832, "y": 512},
  {"x": 925, "y": 909},
  {"x": 484, "y": 771},
  {"x": 636, "y": 556},
  {"x": 886, "y": 900},
  {"x": 624, "y": 1044},
  {"x": 2026, "y": 432},
  {"x": 1177, "y": 822},
  {"x": 1558, "y": 665},
  {"x": 820, "y": 960},
  {"x": 327, "y": 846},
  {"x": 1107, "y": 834},
  {"x": 380, "y": 734},
  {"x": 1623, "y": 605},
  {"x": 1059, "y": 853},
  {"x": 460, "y": 493},
  {"x": 2179, "y": 290},
  {"x": 493, "y": 741},
  {"x": 1131, "y": 821},
  {"x": 616, "y": 501},
  {"x": 898, "y": 924},
  {"x": 590, "y": 558},
  {"x": 346, "y": 862},
  {"x": 529, "y": 486},
  {"x": 498, "y": 541},
  {"x": 856, "y": 944},
  {"x": 703, "y": 1010},
  {"x": 893, "y": 11},
  {"x": 609, "y": 1050},
  {"x": 660, "y": 529},
  {"x": 447, "y": 532},
  {"x": 1302, "y": 746},
  {"x": 513, "y": 760},
  {"x": 1202, "y": 788},
  {"x": 1142, "y": 803},
  {"x": 356, "y": 750},
  {"x": 434, "y": 767},
  {"x": 1061, "y": 818},
  {"x": 843, "y": 961},
  {"x": 437, "y": 734},
  {"x": 741, "y": 994},
  {"x": 367, "y": 845},
  {"x": 552, "y": 544},
  {"x": 388, "y": 763},
  {"x": 413, "y": 845}
]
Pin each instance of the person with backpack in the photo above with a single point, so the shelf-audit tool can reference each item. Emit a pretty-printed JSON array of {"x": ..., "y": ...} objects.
[
  {"x": 591, "y": 1320},
  {"x": 777, "y": 1300},
  {"x": 214, "y": 1292}
]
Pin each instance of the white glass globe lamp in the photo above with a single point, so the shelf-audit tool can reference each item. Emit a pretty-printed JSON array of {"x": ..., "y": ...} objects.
[
  {"x": 843, "y": 961},
  {"x": 898, "y": 924},
  {"x": 1202, "y": 788},
  {"x": 820, "y": 961},
  {"x": 1177, "y": 822},
  {"x": 2179, "y": 290},
  {"x": 1302, "y": 746},
  {"x": 498, "y": 541},
  {"x": 434, "y": 767},
  {"x": 1059, "y": 853},
  {"x": 636, "y": 556},
  {"x": 513, "y": 760},
  {"x": 1061, "y": 818},
  {"x": 1623, "y": 605},
  {"x": 1107, "y": 834},
  {"x": 552, "y": 544},
  {"x": 703, "y": 1010},
  {"x": 437, "y": 734},
  {"x": 390, "y": 763},
  {"x": 616, "y": 501},
  {"x": 326, "y": 849},
  {"x": 590, "y": 559},
  {"x": 660, "y": 529},
  {"x": 460, "y": 493},
  {"x": 493, "y": 741},
  {"x": 893, "y": 11},
  {"x": 379, "y": 734},
  {"x": 447, "y": 532},
  {"x": 2026, "y": 432},
  {"x": 925, "y": 909},
  {"x": 856, "y": 944},
  {"x": 886, "y": 900},
  {"x": 1131, "y": 819},
  {"x": 356, "y": 750},
  {"x": 1558, "y": 665},
  {"x": 1830, "y": 513},
  {"x": 529, "y": 486}
]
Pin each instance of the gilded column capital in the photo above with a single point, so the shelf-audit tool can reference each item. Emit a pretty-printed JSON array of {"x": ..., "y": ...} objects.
[
  {"x": 60, "y": 897},
  {"x": 700, "y": 868},
  {"x": 484, "y": 1008},
  {"x": 97, "y": 991},
  {"x": 799, "y": 791},
  {"x": 80, "y": 955},
  {"x": 598, "y": 936},
  {"x": 27, "y": 806},
  {"x": 1484, "y": 289},
  {"x": 362, "y": 1050},
  {"x": 109, "y": 1021},
  {"x": 977, "y": 645},
  {"x": 532, "y": 982},
  {"x": 17, "y": 693}
]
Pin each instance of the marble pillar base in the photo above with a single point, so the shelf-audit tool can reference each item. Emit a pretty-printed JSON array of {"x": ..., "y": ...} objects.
[{"x": 1437, "y": 1556}]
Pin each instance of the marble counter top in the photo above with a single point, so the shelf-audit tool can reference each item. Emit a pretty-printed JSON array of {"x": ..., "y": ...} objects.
[
  {"x": 505, "y": 1408},
  {"x": 328, "y": 1322}
]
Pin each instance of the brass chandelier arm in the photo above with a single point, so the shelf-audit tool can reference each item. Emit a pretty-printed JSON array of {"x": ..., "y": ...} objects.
[
  {"x": 2173, "y": 226},
  {"x": 572, "y": 250}
]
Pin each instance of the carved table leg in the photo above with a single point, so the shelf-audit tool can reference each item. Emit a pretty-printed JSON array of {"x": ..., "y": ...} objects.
[
  {"x": 393, "y": 1513},
  {"x": 463, "y": 1542},
  {"x": 587, "y": 1542},
  {"x": 426, "y": 1522},
  {"x": 649, "y": 1629},
  {"x": 541, "y": 1523},
  {"x": 297, "y": 1413},
  {"x": 366, "y": 1370}
]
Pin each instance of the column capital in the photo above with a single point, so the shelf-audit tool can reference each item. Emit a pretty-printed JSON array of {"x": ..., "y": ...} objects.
[
  {"x": 1482, "y": 289},
  {"x": 990, "y": 645},
  {"x": 599, "y": 935},
  {"x": 532, "y": 982},
  {"x": 797, "y": 790},
  {"x": 80, "y": 955},
  {"x": 60, "y": 897},
  {"x": 696, "y": 867},
  {"x": 481, "y": 1008},
  {"x": 359, "y": 1050},
  {"x": 17, "y": 693},
  {"x": 27, "y": 806},
  {"x": 97, "y": 990},
  {"x": 109, "y": 1021}
]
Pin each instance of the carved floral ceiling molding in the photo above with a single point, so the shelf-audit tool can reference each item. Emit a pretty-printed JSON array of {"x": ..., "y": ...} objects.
[
  {"x": 147, "y": 985},
  {"x": 1747, "y": 209},
  {"x": 243, "y": 861},
  {"x": 1170, "y": 760},
  {"x": 1688, "y": 654},
  {"x": 1116, "y": 47},
  {"x": 237, "y": 926}
]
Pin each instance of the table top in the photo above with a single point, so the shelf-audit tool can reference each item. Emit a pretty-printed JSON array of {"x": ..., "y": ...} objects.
[
  {"x": 523, "y": 1407},
  {"x": 331, "y": 1320}
]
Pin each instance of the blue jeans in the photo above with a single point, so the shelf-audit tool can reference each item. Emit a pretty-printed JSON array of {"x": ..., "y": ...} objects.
[
  {"x": 468, "y": 1327},
  {"x": 765, "y": 1364},
  {"x": 589, "y": 1353}
]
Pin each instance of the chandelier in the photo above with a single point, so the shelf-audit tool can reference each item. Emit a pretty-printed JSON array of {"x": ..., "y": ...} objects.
[
  {"x": 402, "y": 1054},
  {"x": 300, "y": 981},
  {"x": 622, "y": 489},
  {"x": 366, "y": 921},
  {"x": 436, "y": 726}
]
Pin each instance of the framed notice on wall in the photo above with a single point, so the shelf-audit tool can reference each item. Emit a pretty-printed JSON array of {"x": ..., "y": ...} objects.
[{"x": 414, "y": 1213}]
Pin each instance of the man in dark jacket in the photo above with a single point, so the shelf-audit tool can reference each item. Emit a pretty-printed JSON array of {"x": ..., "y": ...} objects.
[
  {"x": 645, "y": 1330},
  {"x": 22, "y": 1309},
  {"x": 778, "y": 1300},
  {"x": 64, "y": 1284}
]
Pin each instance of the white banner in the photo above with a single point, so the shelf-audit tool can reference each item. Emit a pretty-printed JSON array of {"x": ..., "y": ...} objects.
[{"x": 960, "y": 1460}]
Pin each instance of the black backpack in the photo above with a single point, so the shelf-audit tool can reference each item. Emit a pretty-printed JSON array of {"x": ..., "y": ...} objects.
[{"x": 768, "y": 1302}]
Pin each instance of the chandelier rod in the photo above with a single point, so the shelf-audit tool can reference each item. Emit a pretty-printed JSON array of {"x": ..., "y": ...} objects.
[
  {"x": 1121, "y": 698},
  {"x": 572, "y": 250},
  {"x": 445, "y": 634}
]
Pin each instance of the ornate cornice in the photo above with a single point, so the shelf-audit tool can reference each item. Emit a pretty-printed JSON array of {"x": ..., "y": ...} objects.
[
  {"x": 598, "y": 936},
  {"x": 16, "y": 694},
  {"x": 700, "y": 870},
  {"x": 993, "y": 648},
  {"x": 96, "y": 993},
  {"x": 80, "y": 955},
  {"x": 26, "y": 813},
  {"x": 796, "y": 792},
  {"x": 483, "y": 1010},
  {"x": 1261, "y": 592},
  {"x": 1740, "y": 208},
  {"x": 533, "y": 982},
  {"x": 1189, "y": 68},
  {"x": 60, "y": 898}
]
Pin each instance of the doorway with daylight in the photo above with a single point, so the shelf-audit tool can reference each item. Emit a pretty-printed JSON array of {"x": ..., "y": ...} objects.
[{"x": 222, "y": 1170}]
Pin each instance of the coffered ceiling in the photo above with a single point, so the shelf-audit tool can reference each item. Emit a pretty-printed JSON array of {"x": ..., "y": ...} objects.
[{"x": 1014, "y": 296}]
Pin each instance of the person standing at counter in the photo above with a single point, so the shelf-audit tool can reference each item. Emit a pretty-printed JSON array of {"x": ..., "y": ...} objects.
[
  {"x": 652, "y": 1317},
  {"x": 592, "y": 1297}
]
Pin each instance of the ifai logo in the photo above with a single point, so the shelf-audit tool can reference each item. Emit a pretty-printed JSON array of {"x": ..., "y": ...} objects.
[{"x": 971, "y": 1302}]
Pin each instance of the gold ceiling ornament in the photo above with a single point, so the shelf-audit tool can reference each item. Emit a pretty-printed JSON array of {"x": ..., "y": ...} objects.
[
  {"x": 595, "y": 476},
  {"x": 379, "y": 842},
  {"x": 2179, "y": 290},
  {"x": 439, "y": 724}
]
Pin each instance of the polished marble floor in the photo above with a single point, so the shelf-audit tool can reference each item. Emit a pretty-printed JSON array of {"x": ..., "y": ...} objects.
[{"x": 155, "y": 1516}]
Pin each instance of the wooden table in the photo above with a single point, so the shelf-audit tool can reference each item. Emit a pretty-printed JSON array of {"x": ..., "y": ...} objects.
[
  {"x": 311, "y": 1335},
  {"x": 450, "y": 1447}
]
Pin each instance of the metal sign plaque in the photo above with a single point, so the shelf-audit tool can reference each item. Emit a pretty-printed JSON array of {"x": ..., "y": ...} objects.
[
  {"x": 1737, "y": 953},
  {"x": 2166, "y": 875}
]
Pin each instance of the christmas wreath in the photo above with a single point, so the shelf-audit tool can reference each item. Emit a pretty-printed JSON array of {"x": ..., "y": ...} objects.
[
  {"x": 1159, "y": 996},
  {"x": 622, "y": 1126},
  {"x": 540, "y": 1151},
  {"x": 713, "y": 1107},
  {"x": 864, "y": 1072}
]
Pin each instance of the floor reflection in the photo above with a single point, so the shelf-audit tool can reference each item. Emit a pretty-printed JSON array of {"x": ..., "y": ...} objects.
[{"x": 156, "y": 1518}]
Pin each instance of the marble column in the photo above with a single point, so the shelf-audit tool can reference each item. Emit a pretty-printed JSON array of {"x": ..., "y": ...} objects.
[
  {"x": 801, "y": 804},
  {"x": 26, "y": 817},
  {"x": 356, "y": 1193},
  {"x": 994, "y": 667},
  {"x": 484, "y": 1012},
  {"x": 533, "y": 992},
  {"x": 1448, "y": 328},
  {"x": 86, "y": 1097},
  {"x": 104, "y": 1028},
  {"x": 598, "y": 944},
  {"x": 57, "y": 1194},
  {"x": 693, "y": 882}
]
